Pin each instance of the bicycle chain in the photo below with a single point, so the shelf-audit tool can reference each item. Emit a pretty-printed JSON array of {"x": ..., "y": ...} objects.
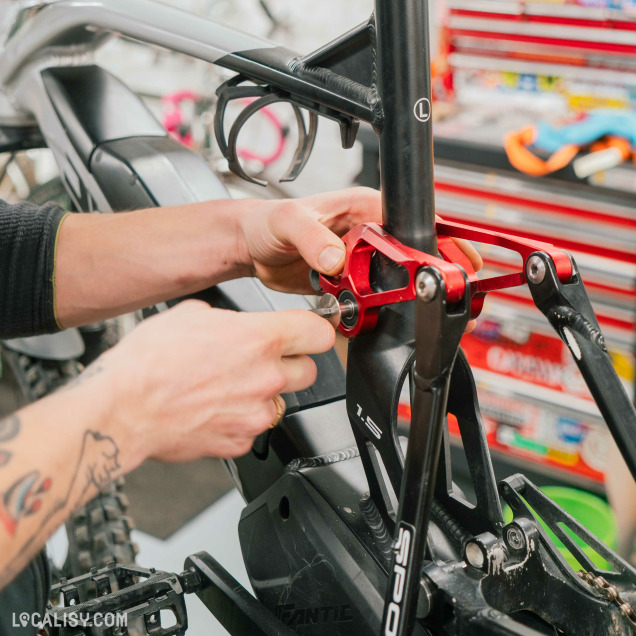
[{"x": 611, "y": 593}]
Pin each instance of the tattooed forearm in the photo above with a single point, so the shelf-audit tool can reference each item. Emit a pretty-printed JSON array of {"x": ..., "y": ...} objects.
[
  {"x": 23, "y": 496},
  {"x": 96, "y": 466},
  {"x": 80, "y": 460}
]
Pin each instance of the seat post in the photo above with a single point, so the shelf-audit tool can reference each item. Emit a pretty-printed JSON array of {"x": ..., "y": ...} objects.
[{"x": 403, "y": 80}]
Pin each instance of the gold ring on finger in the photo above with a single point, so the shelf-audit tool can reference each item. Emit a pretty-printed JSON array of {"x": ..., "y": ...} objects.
[{"x": 280, "y": 410}]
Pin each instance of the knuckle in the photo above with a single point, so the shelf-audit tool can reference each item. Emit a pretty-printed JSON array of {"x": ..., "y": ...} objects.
[
  {"x": 310, "y": 371},
  {"x": 285, "y": 210},
  {"x": 326, "y": 335},
  {"x": 274, "y": 342},
  {"x": 364, "y": 191},
  {"x": 243, "y": 446},
  {"x": 236, "y": 447},
  {"x": 260, "y": 341},
  {"x": 274, "y": 383},
  {"x": 268, "y": 350},
  {"x": 267, "y": 340},
  {"x": 259, "y": 421},
  {"x": 192, "y": 305},
  {"x": 368, "y": 194}
]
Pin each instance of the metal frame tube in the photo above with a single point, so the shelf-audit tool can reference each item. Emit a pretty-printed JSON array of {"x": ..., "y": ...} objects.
[
  {"x": 62, "y": 32},
  {"x": 71, "y": 23},
  {"x": 406, "y": 140}
]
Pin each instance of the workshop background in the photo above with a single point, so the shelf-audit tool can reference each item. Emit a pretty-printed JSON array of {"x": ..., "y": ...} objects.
[{"x": 500, "y": 66}]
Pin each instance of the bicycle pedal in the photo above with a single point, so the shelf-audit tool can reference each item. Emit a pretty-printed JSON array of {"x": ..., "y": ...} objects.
[{"x": 118, "y": 600}]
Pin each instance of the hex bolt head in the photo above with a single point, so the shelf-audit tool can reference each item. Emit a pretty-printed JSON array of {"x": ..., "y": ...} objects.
[
  {"x": 515, "y": 538},
  {"x": 535, "y": 269},
  {"x": 426, "y": 286},
  {"x": 329, "y": 308}
]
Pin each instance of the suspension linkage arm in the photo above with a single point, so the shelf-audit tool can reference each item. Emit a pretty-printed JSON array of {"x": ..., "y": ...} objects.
[{"x": 353, "y": 287}]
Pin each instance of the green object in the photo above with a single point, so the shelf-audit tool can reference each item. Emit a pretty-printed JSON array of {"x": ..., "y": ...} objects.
[
  {"x": 590, "y": 511},
  {"x": 530, "y": 445}
]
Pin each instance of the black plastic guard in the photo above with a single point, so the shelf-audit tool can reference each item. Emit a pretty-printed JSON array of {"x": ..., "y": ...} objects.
[
  {"x": 314, "y": 574},
  {"x": 142, "y": 172},
  {"x": 96, "y": 107}
]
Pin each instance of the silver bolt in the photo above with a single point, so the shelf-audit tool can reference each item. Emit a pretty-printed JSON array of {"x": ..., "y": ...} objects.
[
  {"x": 329, "y": 309},
  {"x": 515, "y": 538},
  {"x": 333, "y": 311},
  {"x": 347, "y": 308},
  {"x": 474, "y": 555},
  {"x": 425, "y": 286},
  {"x": 535, "y": 269}
]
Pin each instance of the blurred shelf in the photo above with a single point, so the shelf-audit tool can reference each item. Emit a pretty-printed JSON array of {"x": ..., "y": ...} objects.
[{"x": 506, "y": 464}]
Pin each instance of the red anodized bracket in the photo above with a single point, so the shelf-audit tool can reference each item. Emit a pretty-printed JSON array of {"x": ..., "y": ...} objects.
[{"x": 364, "y": 240}]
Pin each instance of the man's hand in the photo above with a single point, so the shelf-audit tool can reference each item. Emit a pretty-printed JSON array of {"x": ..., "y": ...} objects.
[
  {"x": 282, "y": 239},
  {"x": 191, "y": 382},
  {"x": 109, "y": 264},
  {"x": 197, "y": 381}
]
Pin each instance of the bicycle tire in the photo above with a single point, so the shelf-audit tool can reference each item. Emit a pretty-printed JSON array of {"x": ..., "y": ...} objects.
[
  {"x": 100, "y": 532},
  {"x": 52, "y": 190}
]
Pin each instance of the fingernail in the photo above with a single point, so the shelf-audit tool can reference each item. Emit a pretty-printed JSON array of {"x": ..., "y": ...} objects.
[{"x": 330, "y": 257}]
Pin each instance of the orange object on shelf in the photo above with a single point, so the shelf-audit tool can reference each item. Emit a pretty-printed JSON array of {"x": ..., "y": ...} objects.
[{"x": 516, "y": 145}]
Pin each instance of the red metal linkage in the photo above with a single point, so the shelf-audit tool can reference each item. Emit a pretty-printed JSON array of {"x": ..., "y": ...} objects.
[{"x": 365, "y": 240}]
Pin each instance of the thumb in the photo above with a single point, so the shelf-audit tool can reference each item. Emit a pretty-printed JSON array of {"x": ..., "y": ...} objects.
[{"x": 323, "y": 250}]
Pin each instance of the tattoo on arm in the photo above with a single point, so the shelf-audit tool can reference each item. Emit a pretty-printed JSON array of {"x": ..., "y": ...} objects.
[
  {"x": 96, "y": 466},
  {"x": 23, "y": 497}
]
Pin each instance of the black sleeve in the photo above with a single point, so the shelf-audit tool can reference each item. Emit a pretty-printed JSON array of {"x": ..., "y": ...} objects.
[{"x": 28, "y": 236}]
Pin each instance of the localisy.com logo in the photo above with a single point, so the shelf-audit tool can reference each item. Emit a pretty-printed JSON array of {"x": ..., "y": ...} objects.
[{"x": 72, "y": 619}]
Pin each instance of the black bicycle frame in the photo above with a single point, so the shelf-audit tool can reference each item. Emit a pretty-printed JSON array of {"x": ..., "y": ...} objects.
[
  {"x": 379, "y": 73},
  {"x": 408, "y": 213}
]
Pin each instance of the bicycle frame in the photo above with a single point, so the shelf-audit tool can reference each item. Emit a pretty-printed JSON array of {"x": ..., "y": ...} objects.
[{"x": 378, "y": 73}]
